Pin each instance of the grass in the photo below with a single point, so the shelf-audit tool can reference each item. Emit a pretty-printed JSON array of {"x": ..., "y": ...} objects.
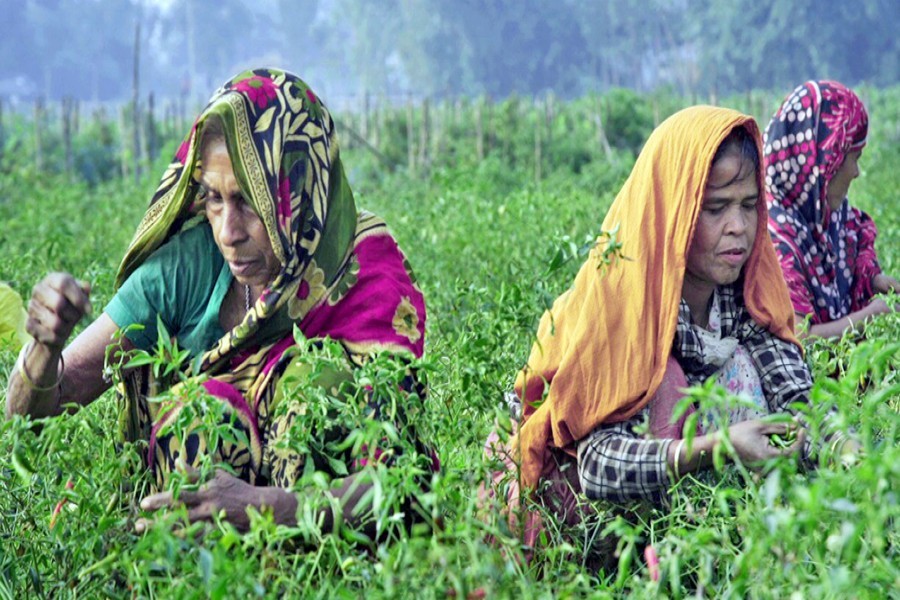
[{"x": 491, "y": 247}]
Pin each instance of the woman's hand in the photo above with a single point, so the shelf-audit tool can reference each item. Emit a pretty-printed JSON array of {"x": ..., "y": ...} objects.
[
  {"x": 848, "y": 453},
  {"x": 753, "y": 444},
  {"x": 57, "y": 303},
  {"x": 224, "y": 492},
  {"x": 854, "y": 321},
  {"x": 882, "y": 284}
]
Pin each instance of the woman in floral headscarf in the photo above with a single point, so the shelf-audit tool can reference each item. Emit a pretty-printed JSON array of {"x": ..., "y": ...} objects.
[
  {"x": 826, "y": 247},
  {"x": 253, "y": 232}
]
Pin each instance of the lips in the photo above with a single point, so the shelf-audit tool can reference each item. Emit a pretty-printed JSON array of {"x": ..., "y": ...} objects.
[
  {"x": 735, "y": 256},
  {"x": 240, "y": 267}
]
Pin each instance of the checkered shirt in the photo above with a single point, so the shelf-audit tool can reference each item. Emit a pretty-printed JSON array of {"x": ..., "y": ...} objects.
[{"x": 616, "y": 463}]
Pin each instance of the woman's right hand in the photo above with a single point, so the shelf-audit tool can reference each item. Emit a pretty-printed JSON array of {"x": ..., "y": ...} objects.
[
  {"x": 879, "y": 307},
  {"x": 752, "y": 442},
  {"x": 57, "y": 303}
]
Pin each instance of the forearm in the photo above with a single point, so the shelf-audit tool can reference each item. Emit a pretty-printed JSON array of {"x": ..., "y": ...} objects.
[
  {"x": 77, "y": 372},
  {"x": 682, "y": 460},
  {"x": 834, "y": 329},
  {"x": 37, "y": 393}
]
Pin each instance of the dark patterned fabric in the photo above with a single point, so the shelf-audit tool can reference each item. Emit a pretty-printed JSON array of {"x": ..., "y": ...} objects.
[
  {"x": 828, "y": 256},
  {"x": 616, "y": 463}
]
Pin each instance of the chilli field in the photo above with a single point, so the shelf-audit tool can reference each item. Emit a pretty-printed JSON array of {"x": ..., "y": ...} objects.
[{"x": 495, "y": 205}]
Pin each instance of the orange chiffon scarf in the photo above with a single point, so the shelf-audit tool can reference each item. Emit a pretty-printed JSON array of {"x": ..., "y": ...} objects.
[{"x": 601, "y": 350}]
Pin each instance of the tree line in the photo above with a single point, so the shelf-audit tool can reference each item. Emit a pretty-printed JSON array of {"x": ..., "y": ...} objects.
[{"x": 446, "y": 48}]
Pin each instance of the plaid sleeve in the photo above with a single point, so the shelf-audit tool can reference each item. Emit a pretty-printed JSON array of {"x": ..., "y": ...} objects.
[
  {"x": 786, "y": 379},
  {"x": 783, "y": 374},
  {"x": 615, "y": 464}
]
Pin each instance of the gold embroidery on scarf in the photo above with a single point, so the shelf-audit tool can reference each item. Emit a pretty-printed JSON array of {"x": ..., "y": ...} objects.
[{"x": 256, "y": 177}]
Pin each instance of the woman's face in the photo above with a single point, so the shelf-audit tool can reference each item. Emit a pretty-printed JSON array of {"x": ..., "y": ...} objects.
[
  {"x": 237, "y": 229},
  {"x": 726, "y": 227},
  {"x": 843, "y": 177}
]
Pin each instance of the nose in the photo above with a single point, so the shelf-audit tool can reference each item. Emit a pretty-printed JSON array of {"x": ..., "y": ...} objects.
[
  {"x": 233, "y": 229},
  {"x": 738, "y": 221}
]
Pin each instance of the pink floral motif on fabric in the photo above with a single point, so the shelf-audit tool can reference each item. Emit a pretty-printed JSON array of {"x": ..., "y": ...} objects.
[{"x": 260, "y": 90}]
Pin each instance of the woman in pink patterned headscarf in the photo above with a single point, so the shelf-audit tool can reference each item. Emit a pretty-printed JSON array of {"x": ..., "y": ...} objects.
[{"x": 826, "y": 247}]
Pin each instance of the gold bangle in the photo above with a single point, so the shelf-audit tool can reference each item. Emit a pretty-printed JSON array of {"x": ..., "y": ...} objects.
[
  {"x": 678, "y": 458},
  {"x": 24, "y": 374}
]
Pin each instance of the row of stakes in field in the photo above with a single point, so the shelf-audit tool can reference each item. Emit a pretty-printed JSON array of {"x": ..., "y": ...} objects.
[{"x": 428, "y": 127}]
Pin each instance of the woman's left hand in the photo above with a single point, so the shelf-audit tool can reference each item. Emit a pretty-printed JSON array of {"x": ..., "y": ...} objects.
[
  {"x": 882, "y": 284},
  {"x": 227, "y": 495}
]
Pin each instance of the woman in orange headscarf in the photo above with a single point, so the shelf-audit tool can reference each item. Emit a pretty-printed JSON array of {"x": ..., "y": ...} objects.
[{"x": 703, "y": 296}]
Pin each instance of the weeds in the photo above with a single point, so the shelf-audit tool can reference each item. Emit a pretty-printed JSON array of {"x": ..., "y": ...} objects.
[{"x": 491, "y": 247}]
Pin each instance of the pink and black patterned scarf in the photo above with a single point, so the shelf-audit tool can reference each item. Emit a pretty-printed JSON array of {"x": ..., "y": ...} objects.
[{"x": 828, "y": 256}]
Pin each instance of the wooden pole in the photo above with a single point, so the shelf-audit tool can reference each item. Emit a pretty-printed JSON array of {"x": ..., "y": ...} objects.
[
  {"x": 479, "y": 130},
  {"x": 377, "y": 123},
  {"x": 123, "y": 141},
  {"x": 424, "y": 135},
  {"x": 135, "y": 104},
  {"x": 491, "y": 126},
  {"x": 410, "y": 143},
  {"x": 2, "y": 136},
  {"x": 38, "y": 127},
  {"x": 602, "y": 140},
  {"x": 364, "y": 124},
  {"x": 549, "y": 117},
  {"x": 150, "y": 129},
  {"x": 537, "y": 152},
  {"x": 67, "y": 106},
  {"x": 191, "y": 56}
]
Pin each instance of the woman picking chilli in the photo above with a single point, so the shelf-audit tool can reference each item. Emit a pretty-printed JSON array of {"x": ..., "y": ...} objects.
[
  {"x": 704, "y": 297},
  {"x": 825, "y": 245},
  {"x": 252, "y": 232}
]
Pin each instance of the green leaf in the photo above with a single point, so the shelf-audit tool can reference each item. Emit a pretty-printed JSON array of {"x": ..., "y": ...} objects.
[{"x": 265, "y": 120}]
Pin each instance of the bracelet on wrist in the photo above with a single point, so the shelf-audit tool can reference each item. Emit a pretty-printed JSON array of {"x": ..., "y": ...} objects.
[
  {"x": 676, "y": 468},
  {"x": 23, "y": 374}
]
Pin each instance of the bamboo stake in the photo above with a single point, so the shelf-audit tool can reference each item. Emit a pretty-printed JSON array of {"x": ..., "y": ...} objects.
[
  {"x": 410, "y": 143},
  {"x": 150, "y": 136},
  {"x": 602, "y": 140},
  {"x": 364, "y": 123},
  {"x": 479, "y": 130},
  {"x": 424, "y": 135},
  {"x": 537, "y": 152},
  {"x": 2, "y": 136},
  {"x": 549, "y": 117},
  {"x": 135, "y": 104},
  {"x": 67, "y": 103},
  {"x": 38, "y": 142},
  {"x": 123, "y": 141},
  {"x": 377, "y": 124}
]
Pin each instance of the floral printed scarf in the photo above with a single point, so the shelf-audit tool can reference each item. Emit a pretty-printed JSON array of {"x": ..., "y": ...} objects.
[{"x": 828, "y": 256}]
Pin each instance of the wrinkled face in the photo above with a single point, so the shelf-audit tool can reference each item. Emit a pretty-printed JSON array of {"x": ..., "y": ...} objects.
[
  {"x": 840, "y": 182},
  {"x": 726, "y": 227},
  {"x": 237, "y": 229}
]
